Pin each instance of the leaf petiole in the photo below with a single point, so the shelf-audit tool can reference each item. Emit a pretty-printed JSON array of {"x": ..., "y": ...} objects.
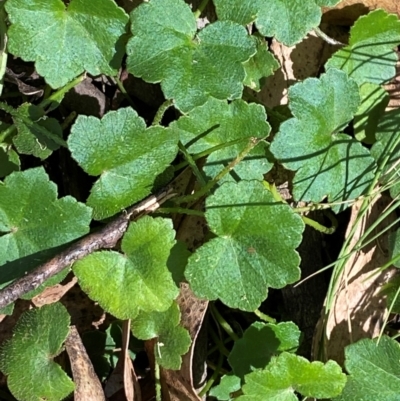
[
  {"x": 203, "y": 191},
  {"x": 59, "y": 94},
  {"x": 201, "y": 8}
]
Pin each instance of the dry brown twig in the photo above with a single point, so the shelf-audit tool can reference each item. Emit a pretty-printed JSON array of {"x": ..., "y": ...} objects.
[{"x": 105, "y": 238}]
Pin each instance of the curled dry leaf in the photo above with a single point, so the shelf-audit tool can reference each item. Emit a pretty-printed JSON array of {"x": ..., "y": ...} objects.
[
  {"x": 358, "y": 308},
  {"x": 54, "y": 293},
  {"x": 183, "y": 384},
  {"x": 123, "y": 383},
  {"x": 87, "y": 384}
]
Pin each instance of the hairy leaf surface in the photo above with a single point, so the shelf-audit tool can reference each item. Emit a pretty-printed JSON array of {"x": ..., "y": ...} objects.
[
  {"x": 254, "y": 248},
  {"x": 128, "y": 156},
  {"x": 387, "y": 149},
  {"x": 37, "y": 134},
  {"x": 217, "y": 123},
  {"x": 288, "y": 373},
  {"x": 370, "y": 57},
  {"x": 374, "y": 370},
  {"x": 288, "y": 20},
  {"x": 261, "y": 65},
  {"x": 125, "y": 285},
  {"x": 259, "y": 343},
  {"x": 327, "y": 162},
  {"x": 228, "y": 384},
  {"x": 66, "y": 41},
  {"x": 27, "y": 358},
  {"x": 172, "y": 339},
  {"x": 32, "y": 219},
  {"x": 191, "y": 67}
]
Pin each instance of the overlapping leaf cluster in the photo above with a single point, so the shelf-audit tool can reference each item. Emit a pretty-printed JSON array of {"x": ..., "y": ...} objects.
[{"x": 254, "y": 233}]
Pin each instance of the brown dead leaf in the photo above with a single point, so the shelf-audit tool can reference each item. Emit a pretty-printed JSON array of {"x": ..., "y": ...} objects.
[
  {"x": 123, "y": 384},
  {"x": 53, "y": 294},
  {"x": 183, "y": 384},
  {"x": 358, "y": 309},
  {"x": 87, "y": 384}
]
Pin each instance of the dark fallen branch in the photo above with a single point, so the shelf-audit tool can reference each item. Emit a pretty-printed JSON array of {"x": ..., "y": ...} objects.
[{"x": 105, "y": 238}]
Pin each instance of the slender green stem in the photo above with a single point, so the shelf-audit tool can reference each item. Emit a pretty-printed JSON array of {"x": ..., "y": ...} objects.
[
  {"x": 274, "y": 191},
  {"x": 317, "y": 226},
  {"x": 11, "y": 130},
  {"x": 29, "y": 123},
  {"x": 327, "y": 38},
  {"x": 68, "y": 120},
  {"x": 201, "y": 8},
  {"x": 215, "y": 347},
  {"x": 180, "y": 210},
  {"x": 204, "y": 190},
  {"x": 58, "y": 95},
  {"x": 207, "y": 152},
  {"x": 196, "y": 171},
  {"x": 217, "y": 340},
  {"x": 214, "y": 376},
  {"x": 223, "y": 323},
  {"x": 264, "y": 317},
  {"x": 161, "y": 111},
  {"x": 124, "y": 92}
]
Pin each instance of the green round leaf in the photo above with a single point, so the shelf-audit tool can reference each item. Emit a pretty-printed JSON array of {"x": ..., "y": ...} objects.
[
  {"x": 65, "y": 41},
  {"x": 254, "y": 250},
  {"x": 387, "y": 148},
  {"x": 216, "y": 123},
  {"x": 138, "y": 281},
  {"x": 165, "y": 48},
  {"x": 370, "y": 57},
  {"x": 259, "y": 343},
  {"x": 288, "y": 373},
  {"x": 172, "y": 339},
  {"x": 27, "y": 358},
  {"x": 374, "y": 371},
  {"x": 128, "y": 156},
  {"x": 328, "y": 163},
  {"x": 32, "y": 219},
  {"x": 288, "y": 20}
]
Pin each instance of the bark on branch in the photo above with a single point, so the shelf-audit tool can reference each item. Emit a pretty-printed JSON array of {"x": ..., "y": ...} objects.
[{"x": 105, "y": 238}]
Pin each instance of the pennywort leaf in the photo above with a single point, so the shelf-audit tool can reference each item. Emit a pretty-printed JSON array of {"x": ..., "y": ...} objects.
[
  {"x": 374, "y": 100},
  {"x": 191, "y": 67},
  {"x": 218, "y": 123},
  {"x": 125, "y": 285},
  {"x": 32, "y": 219},
  {"x": 287, "y": 20},
  {"x": 254, "y": 248},
  {"x": 261, "y": 65},
  {"x": 387, "y": 149},
  {"x": 127, "y": 156},
  {"x": 327, "y": 162},
  {"x": 27, "y": 358},
  {"x": 374, "y": 370},
  {"x": 288, "y": 373},
  {"x": 227, "y": 385},
  {"x": 172, "y": 339},
  {"x": 37, "y": 134},
  {"x": 259, "y": 343},
  {"x": 64, "y": 41},
  {"x": 370, "y": 55}
]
